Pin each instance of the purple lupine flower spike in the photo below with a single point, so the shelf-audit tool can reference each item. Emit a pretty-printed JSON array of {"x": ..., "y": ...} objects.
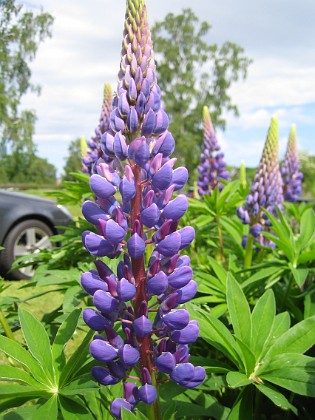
[
  {"x": 292, "y": 177},
  {"x": 93, "y": 151},
  {"x": 146, "y": 298},
  {"x": 266, "y": 190},
  {"x": 212, "y": 166}
]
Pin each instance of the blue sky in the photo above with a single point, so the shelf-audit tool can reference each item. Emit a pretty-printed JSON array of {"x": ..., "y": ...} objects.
[{"x": 84, "y": 51}]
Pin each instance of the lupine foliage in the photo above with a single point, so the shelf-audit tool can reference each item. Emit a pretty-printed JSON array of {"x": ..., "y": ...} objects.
[{"x": 256, "y": 324}]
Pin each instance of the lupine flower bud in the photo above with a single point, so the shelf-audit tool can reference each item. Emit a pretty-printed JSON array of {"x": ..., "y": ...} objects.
[
  {"x": 138, "y": 165},
  {"x": 291, "y": 176},
  {"x": 91, "y": 151},
  {"x": 266, "y": 188},
  {"x": 212, "y": 165}
]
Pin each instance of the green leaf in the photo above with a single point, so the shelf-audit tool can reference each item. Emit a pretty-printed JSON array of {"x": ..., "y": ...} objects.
[
  {"x": 237, "y": 379},
  {"x": 195, "y": 404},
  {"x": 71, "y": 298},
  {"x": 295, "y": 379},
  {"x": 299, "y": 274},
  {"x": 18, "y": 353},
  {"x": 127, "y": 414},
  {"x": 239, "y": 310},
  {"x": 12, "y": 403},
  {"x": 210, "y": 365},
  {"x": 76, "y": 361},
  {"x": 285, "y": 246},
  {"x": 64, "y": 333},
  {"x": 309, "y": 305},
  {"x": 297, "y": 339},
  {"x": 307, "y": 229},
  {"x": 276, "y": 397},
  {"x": 215, "y": 332},
  {"x": 170, "y": 412},
  {"x": 281, "y": 324},
  {"x": 263, "y": 316},
  {"x": 17, "y": 391},
  {"x": 48, "y": 410},
  {"x": 80, "y": 385},
  {"x": 306, "y": 256},
  {"x": 288, "y": 360},
  {"x": 265, "y": 273},
  {"x": 219, "y": 271},
  {"x": 37, "y": 341},
  {"x": 247, "y": 357},
  {"x": 11, "y": 373},
  {"x": 72, "y": 409},
  {"x": 243, "y": 407}
]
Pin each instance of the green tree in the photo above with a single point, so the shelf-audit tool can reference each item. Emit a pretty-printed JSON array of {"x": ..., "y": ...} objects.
[
  {"x": 307, "y": 166},
  {"x": 21, "y": 32},
  {"x": 193, "y": 73},
  {"x": 73, "y": 161},
  {"x": 26, "y": 168}
]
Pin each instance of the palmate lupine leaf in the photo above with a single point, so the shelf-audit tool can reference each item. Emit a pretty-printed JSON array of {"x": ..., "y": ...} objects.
[
  {"x": 239, "y": 310},
  {"x": 265, "y": 349},
  {"x": 47, "y": 410},
  {"x": 42, "y": 366},
  {"x": 64, "y": 333},
  {"x": 263, "y": 316},
  {"x": 38, "y": 343},
  {"x": 18, "y": 353}
]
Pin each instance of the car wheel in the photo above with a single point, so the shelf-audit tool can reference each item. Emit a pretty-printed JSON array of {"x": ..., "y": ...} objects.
[{"x": 27, "y": 237}]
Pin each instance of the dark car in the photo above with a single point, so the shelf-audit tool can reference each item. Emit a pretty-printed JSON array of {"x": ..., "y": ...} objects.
[{"x": 26, "y": 223}]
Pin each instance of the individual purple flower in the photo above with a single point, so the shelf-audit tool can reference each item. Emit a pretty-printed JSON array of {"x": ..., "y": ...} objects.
[
  {"x": 143, "y": 297},
  {"x": 92, "y": 151},
  {"x": 266, "y": 189},
  {"x": 290, "y": 170},
  {"x": 212, "y": 167}
]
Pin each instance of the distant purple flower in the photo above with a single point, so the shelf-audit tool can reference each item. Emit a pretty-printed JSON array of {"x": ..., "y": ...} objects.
[
  {"x": 266, "y": 189},
  {"x": 212, "y": 167},
  {"x": 93, "y": 151},
  {"x": 138, "y": 146},
  {"x": 291, "y": 175}
]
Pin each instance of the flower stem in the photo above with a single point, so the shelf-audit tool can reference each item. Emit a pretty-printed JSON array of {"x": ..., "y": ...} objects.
[
  {"x": 5, "y": 326},
  {"x": 220, "y": 241},
  {"x": 249, "y": 252},
  {"x": 153, "y": 410}
]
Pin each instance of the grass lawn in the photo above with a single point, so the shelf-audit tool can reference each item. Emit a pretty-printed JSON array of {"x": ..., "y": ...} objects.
[{"x": 38, "y": 306}]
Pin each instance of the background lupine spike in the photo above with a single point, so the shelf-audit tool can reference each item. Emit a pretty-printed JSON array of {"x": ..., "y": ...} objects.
[
  {"x": 243, "y": 174},
  {"x": 291, "y": 175},
  {"x": 83, "y": 147},
  {"x": 266, "y": 190},
  {"x": 139, "y": 146},
  {"x": 93, "y": 148},
  {"x": 212, "y": 167}
]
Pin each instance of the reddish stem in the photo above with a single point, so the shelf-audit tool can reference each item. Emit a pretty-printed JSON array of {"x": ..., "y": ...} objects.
[{"x": 138, "y": 270}]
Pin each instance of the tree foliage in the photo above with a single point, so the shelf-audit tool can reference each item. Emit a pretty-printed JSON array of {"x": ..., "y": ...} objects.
[
  {"x": 26, "y": 168},
  {"x": 21, "y": 32},
  {"x": 193, "y": 73},
  {"x": 73, "y": 161}
]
